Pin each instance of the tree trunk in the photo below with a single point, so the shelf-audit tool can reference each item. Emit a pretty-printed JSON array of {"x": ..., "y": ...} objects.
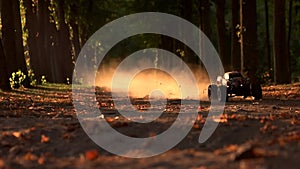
[
  {"x": 290, "y": 19},
  {"x": 4, "y": 79},
  {"x": 186, "y": 12},
  {"x": 241, "y": 35},
  {"x": 45, "y": 29},
  {"x": 74, "y": 23},
  {"x": 220, "y": 7},
  {"x": 268, "y": 36},
  {"x": 249, "y": 38},
  {"x": 65, "y": 61},
  {"x": 282, "y": 72},
  {"x": 8, "y": 36},
  {"x": 204, "y": 11},
  {"x": 204, "y": 24},
  {"x": 36, "y": 36},
  {"x": 235, "y": 46},
  {"x": 33, "y": 36},
  {"x": 75, "y": 40},
  {"x": 12, "y": 38},
  {"x": 43, "y": 56}
]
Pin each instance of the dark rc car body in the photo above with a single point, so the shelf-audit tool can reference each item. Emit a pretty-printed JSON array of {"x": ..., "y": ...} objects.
[{"x": 233, "y": 84}]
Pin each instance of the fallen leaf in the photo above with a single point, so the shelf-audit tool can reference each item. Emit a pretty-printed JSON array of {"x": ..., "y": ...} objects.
[
  {"x": 91, "y": 155},
  {"x": 44, "y": 139},
  {"x": 41, "y": 160},
  {"x": 227, "y": 149},
  {"x": 2, "y": 163},
  {"x": 30, "y": 157},
  {"x": 67, "y": 135},
  {"x": 17, "y": 134}
]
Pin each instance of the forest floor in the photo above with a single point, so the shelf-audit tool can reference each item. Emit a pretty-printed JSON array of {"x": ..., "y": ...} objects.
[{"x": 39, "y": 129}]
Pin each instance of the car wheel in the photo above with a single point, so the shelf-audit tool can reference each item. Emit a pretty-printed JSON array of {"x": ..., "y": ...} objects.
[
  {"x": 212, "y": 92},
  {"x": 247, "y": 91},
  {"x": 256, "y": 91},
  {"x": 222, "y": 94}
]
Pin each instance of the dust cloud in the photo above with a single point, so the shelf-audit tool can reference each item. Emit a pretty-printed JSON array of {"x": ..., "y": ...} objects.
[{"x": 148, "y": 82}]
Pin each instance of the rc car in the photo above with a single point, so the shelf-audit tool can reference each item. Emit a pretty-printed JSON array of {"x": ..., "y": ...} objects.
[{"x": 233, "y": 84}]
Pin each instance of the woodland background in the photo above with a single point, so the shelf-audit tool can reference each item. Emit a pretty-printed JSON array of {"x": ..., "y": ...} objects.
[{"x": 42, "y": 38}]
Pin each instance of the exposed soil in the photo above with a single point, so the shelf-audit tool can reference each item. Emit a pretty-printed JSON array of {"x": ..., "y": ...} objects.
[{"x": 39, "y": 129}]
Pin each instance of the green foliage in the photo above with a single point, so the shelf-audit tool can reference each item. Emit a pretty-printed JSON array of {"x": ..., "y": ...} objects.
[
  {"x": 43, "y": 80},
  {"x": 16, "y": 79},
  {"x": 32, "y": 78},
  {"x": 68, "y": 81},
  {"x": 180, "y": 52}
]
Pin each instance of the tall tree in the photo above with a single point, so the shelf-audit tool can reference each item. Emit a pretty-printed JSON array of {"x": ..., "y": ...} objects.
[
  {"x": 65, "y": 61},
  {"x": 204, "y": 12},
  {"x": 12, "y": 38},
  {"x": 76, "y": 39},
  {"x": 220, "y": 6},
  {"x": 248, "y": 24},
  {"x": 290, "y": 23},
  {"x": 282, "y": 72},
  {"x": 4, "y": 79},
  {"x": 33, "y": 35},
  {"x": 36, "y": 24},
  {"x": 235, "y": 47},
  {"x": 204, "y": 22},
  {"x": 268, "y": 35},
  {"x": 186, "y": 13}
]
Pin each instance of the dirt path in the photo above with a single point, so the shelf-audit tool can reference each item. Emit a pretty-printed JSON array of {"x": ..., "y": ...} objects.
[{"x": 39, "y": 129}]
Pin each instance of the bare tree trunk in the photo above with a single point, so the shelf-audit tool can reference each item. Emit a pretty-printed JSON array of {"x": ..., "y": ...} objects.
[
  {"x": 12, "y": 38},
  {"x": 4, "y": 79},
  {"x": 290, "y": 19},
  {"x": 235, "y": 46},
  {"x": 290, "y": 22},
  {"x": 42, "y": 69},
  {"x": 33, "y": 35},
  {"x": 282, "y": 72},
  {"x": 8, "y": 36},
  {"x": 268, "y": 35},
  {"x": 220, "y": 5},
  {"x": 241, "y": 35},
  {"x": 249, "y": 38},
  {"x": 75, "y": 40},
  {"x": 35, "y": 23},
  {"x": 42, "y": 39},
  {"x": 47, "y": 42},
  {"x": 204, "y": 24},
  {"x": 74, "y": 23},
  {"x": 186, "y": 13},
  {"x": 64, "y": 45},
  {"x": 204, "y": 11}
]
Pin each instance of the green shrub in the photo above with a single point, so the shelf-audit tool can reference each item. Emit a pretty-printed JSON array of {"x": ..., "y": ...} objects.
[
  {"x": 43, "y": 80},
  {"x": 16, "y": 79},
  {"x": 31, "y": 76}
]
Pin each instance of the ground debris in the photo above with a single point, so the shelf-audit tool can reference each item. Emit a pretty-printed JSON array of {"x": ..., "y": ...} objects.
[
  {"x": 39, "y": 129},
  {"x": 251, "y": 150}
]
